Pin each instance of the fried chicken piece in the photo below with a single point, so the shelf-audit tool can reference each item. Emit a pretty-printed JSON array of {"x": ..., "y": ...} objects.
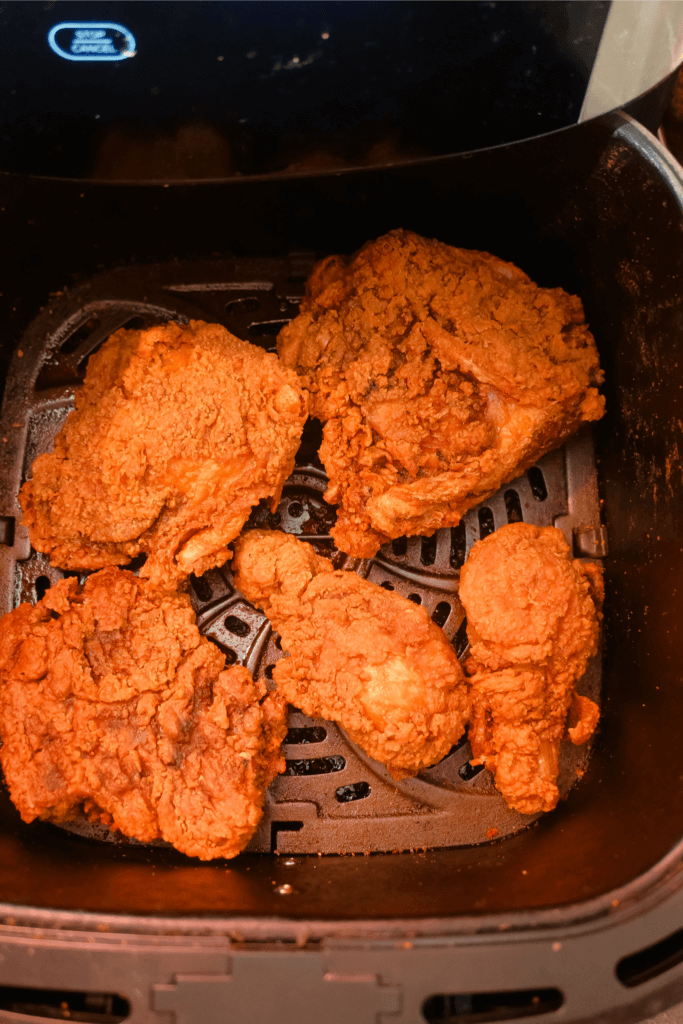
[
  {"x": 178, "y": 431},
  {"x": 533, "y": 617},
  {"x": 113, "y": 705},
  {"x": 439, "y": 374},
  {"x": 365, "y": 658}
]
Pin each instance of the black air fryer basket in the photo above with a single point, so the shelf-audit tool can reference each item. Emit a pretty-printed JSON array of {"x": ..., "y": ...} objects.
[
  {"x": 360, "y": 899},
  {"x": 577, "y": 915}
]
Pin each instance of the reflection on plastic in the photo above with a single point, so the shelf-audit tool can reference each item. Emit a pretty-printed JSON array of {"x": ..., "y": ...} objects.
[{"x": 92, "y": 40}]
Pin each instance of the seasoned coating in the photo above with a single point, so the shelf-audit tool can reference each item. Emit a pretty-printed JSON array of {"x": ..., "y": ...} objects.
[
  {"x": 439, "y": 374},
  {"x": 533, "y": 617},
  {"x": 365, "y": 658},
  {"x": 178, "y": 431},
  {"x": 113, "y": 705}
]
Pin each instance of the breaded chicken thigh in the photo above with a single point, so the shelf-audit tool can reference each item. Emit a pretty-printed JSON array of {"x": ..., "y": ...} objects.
[
  {"x": 533, "y": 618},
  {"x": 112, "y": 705},
  {"x": 178, "y": 431},
  {"x": 370, "y": 660},
  {"x": 439, "y": 374}
]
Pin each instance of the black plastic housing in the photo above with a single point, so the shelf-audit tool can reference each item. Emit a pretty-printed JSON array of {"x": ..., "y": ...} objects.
[
  {"x": 598, "y": 212},
  {"x": 241, "y": 88}
]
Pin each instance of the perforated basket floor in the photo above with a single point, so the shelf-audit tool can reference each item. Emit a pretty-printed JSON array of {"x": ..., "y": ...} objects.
[{"x": 333, "y": 798}]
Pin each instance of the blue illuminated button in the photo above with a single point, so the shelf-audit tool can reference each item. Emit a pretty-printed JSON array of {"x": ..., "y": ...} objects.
[{"x": 91, "y": 40}]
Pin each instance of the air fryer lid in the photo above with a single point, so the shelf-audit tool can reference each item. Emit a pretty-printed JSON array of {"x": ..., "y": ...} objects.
[{"x": 147, "y": 90}]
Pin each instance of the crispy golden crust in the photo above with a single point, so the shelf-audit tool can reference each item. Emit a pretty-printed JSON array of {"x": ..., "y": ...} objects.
[
  {"x": 178, "y": 431},
  {"x": 439, "y": 374},
  {"x": 114, "y": 705},
  {"x": 533, "y": 616},
  {"x": 363, "y": 657}
]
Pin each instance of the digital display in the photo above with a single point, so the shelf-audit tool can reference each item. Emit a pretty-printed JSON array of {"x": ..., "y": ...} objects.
[{"x": 159, "y": 91}]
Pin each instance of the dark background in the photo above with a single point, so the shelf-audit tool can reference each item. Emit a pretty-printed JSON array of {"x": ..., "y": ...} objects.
[{"x": 218, "y": 89}]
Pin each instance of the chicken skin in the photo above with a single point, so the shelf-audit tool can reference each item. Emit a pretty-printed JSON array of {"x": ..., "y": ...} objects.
[
  {"x": 439, "y": 374},
  {"x": 178, "y": 431},
  {"x": 113, "y": 706},
  {"x": 533, "y": 616},
  {"x": 370, "y": 660}
]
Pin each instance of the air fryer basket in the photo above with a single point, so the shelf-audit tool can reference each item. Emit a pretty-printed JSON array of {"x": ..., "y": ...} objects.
[
  {"x": 561, "y": 910},
  {"x": 333, "y": 798}
]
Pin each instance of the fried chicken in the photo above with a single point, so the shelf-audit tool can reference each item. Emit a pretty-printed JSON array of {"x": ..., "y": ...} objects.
[
  {"x": 365, "y": 658},
  {"x": 533, "y": 616},
  {"x": 113, "y": 705},
  {"x": 439, "y": 374},
  {"x": 178, "y": 431}
]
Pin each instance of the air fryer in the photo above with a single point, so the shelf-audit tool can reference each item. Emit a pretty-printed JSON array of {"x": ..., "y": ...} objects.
[{"x": 432, "y": 901}]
